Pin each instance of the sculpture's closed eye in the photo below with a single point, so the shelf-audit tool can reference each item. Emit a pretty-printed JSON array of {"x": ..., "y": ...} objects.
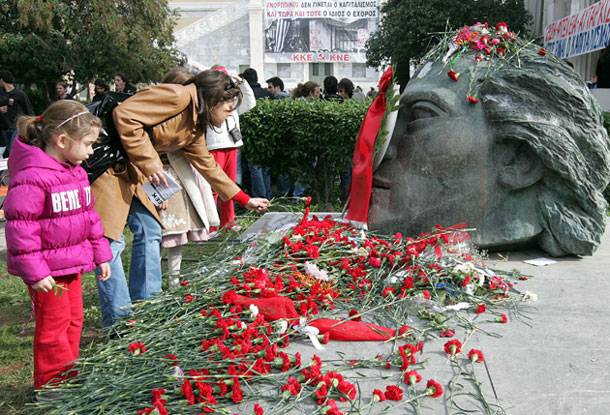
[{"x": 419, "y": 110}]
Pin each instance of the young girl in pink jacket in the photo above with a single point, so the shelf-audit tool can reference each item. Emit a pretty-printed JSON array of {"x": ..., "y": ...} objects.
[{"x": 53, "y": 234}]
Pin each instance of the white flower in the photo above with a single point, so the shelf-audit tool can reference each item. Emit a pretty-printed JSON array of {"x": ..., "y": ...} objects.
[
  {"x": 253, "y": 311},
  {"x": 452, "y": 49},
  {"x": 465, "y": 268},
  {"x": 469, "y": 289},
  {"x": 313, "y": 271},
  {"x": 281, "y": 326},
  {"x": 178, "y": 373},
  {"x": 457, "y": 307}
]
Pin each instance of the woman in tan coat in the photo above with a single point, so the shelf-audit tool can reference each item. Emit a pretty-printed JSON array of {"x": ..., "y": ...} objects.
[{"x": 162, "y": 118}]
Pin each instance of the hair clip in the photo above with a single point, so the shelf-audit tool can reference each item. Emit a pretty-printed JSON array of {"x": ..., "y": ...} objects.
[{"x": 39, "y": 118}]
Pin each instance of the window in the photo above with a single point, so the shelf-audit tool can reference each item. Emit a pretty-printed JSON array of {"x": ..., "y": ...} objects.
[
  {"x": 358, "y": 70},
  {"x": 283, "y": 70}
]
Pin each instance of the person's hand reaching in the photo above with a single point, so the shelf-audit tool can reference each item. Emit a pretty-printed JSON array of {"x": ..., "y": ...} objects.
[{"x": 257, "y": 204}]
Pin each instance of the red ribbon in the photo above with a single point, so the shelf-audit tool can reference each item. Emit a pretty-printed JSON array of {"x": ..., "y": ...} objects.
[
  {"x": 364, "y": 152},
  {"x": 352, "y": 331}
]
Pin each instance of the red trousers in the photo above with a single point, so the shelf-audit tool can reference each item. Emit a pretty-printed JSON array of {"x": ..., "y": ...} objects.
[
  {"x": 226, "y": 158},
  {"x": 59, "y": 322}
]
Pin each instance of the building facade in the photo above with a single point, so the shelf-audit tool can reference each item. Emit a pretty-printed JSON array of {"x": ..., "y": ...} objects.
[{"x": 295, "y": 40}]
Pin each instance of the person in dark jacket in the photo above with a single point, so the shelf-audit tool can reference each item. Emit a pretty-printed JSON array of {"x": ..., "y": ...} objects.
[
  {"x": 101, "y": 89},
  {"x": 13, "y": 103},
  {"x": 251, "y": 77}
]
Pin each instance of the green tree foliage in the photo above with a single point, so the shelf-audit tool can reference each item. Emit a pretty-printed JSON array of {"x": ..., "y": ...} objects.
[
  {"x": 292, "y": 136},
  {"x": 408, "y": 28},
  {"x": 43, "y": 40}
]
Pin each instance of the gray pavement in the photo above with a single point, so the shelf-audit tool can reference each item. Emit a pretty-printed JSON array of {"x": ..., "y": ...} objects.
[{"x": 558, "y": 365}]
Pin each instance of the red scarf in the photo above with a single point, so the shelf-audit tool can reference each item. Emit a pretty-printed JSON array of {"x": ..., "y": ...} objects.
[{"x": 364, "y": 153}]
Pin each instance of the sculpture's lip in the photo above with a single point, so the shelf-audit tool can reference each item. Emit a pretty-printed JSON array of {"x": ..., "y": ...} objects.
[{"x": 380, "y": 182}]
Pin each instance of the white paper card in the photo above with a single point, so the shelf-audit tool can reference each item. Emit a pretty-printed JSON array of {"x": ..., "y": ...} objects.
[
  {"x": 540, "y": 262},
  {"x": 159, "y": 193}
]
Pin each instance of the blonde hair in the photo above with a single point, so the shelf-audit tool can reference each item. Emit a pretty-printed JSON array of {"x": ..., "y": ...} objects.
[{"x": 61, "y": 117}]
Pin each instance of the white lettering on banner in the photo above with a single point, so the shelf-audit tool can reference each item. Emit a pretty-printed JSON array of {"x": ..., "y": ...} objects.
[
  {"x": 580, "y": 33},
  {"x": 65, "y": 201},
  {"x": 87, "y": 196},
  {"x": 308, "y": 9}
]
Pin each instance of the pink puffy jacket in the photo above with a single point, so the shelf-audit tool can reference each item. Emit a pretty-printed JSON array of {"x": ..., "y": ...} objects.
[{"x": 51, "y": 226}]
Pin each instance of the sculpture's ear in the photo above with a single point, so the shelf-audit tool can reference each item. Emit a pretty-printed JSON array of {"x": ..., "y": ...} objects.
[{"x": 518, "y": 166}]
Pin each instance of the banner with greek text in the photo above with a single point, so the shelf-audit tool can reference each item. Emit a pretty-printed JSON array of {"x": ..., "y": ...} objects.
[
  {"x": 580, "y": 33},
  {"x": 319, "y": 31}
]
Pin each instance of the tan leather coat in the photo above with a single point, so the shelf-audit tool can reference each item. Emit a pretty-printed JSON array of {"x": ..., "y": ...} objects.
[{"x": 171, "y": 110}]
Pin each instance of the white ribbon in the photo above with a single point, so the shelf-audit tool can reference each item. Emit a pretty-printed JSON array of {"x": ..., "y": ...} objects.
[{"x": 311, "y": 332}]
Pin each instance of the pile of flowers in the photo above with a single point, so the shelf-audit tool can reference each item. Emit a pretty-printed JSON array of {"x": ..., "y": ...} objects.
[
  {"x": 490, "y": 47},
  {"x": 223, "y": 342}
]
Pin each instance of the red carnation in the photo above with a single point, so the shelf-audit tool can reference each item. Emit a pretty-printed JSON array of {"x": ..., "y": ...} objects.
[
  {"x": 476, "y": 356},
  {"x": 481, "y": 308},
  {"x": 387, "y": 291},
  {"x": 355, "y": 315},
  {"x": 447, "y": 333},
  {"x": 502, "y": 319},
  {"x": 136, "y": 348},
  {"x": 375, "y": 262},
  {"x": 434, "y": 389},
  {"x": 378, "y": 395},
  {"x": 237, "y": 395},
  {"x": 258, "y": 410},
  {"x": 502, "y": 27},
  {"x": 404, "y": 330},
  {"x": 292, "y": 386},
  {"x": 187, "y": 391},
  {"x": 188, "y": 298},
  {"x": 542, "y": 51},
  {"x": 453, "y": 75},
  {"x": 472, "y": 99},
  {"x": 412, "y": 377},
  {"x": 453, "y": 347},
  {"x": 307, "y": 201},
  {"x": 393, "y": 393}
]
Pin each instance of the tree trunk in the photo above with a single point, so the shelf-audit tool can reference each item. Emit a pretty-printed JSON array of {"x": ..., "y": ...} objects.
[{"x": 403, "y": 72}]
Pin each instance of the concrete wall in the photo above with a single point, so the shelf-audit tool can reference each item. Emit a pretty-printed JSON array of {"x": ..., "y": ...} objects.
[{"x": 228, "y": 46}]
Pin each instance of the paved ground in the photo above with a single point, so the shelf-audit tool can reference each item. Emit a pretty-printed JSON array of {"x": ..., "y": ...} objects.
[{"x": 558, "y": 366}]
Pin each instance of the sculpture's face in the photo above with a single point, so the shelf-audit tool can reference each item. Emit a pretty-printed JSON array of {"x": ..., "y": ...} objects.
[{"x": 439, "y": 167}]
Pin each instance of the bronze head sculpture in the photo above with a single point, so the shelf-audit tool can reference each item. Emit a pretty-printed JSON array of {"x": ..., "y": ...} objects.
[{"x": 503, "y": 137}]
